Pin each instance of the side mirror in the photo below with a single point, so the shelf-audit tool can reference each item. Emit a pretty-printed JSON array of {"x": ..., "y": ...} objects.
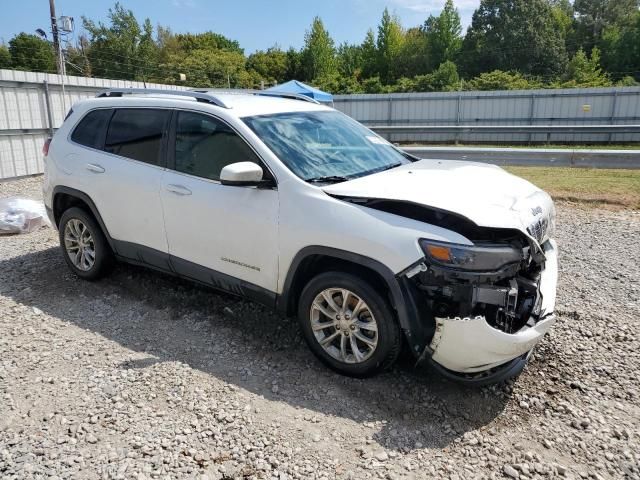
[{"x": 243, "y": 174}]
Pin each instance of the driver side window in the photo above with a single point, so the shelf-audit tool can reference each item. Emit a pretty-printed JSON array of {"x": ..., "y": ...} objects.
[{"x": 205, "y": 145}]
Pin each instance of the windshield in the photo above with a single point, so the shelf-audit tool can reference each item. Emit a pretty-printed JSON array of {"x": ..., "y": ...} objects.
[{"x": 325, "y": 146}]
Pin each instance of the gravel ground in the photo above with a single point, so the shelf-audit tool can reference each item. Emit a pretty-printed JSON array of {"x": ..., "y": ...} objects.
[{"x": 144, "y": 376}]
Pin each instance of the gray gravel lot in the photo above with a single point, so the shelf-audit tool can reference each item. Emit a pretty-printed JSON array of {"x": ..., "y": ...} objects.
[{"x": 144, "y": 376}]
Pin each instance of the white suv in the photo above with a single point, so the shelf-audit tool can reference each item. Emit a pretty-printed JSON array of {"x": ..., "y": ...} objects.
[{"x": 297, "y": 206}]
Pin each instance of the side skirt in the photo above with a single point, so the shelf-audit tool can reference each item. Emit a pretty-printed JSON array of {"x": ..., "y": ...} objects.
[{"x": 166, "y": 263}]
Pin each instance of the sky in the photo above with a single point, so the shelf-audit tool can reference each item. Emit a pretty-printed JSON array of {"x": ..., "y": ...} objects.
[{"x": 256, "y": 24}]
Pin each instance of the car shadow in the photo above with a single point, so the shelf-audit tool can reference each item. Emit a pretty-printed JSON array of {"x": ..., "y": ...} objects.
[{"x": 248, "y": 346}]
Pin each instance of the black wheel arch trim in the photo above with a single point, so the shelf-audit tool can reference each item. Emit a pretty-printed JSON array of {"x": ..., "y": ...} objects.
[
  {"x": 416, "y": 323},
  {"x": 89, "y": 202}
]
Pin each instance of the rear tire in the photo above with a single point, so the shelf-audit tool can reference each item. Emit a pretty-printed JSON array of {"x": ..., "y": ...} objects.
[
  {"x": 359, "y": 338},
  {"x": 84, "y": 246}
]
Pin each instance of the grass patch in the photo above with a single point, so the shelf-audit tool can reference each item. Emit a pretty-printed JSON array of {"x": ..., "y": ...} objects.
[{"x": 617, "y": 188}]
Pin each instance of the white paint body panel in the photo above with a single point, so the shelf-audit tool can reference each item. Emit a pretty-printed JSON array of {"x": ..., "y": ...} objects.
[
  {"x": 485, "y": 194},
  {"x": 216, "y": 225},
  {"x": 127, "y": 193}
]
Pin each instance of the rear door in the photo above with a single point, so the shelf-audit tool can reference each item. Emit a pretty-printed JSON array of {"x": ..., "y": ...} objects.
[
  {"x": 122, "y": 170},
  {"x": 216, "y": 233}
]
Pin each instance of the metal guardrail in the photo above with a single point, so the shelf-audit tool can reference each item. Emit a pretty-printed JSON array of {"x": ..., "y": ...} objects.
[
  {"x": 514, "y": 129},
  {"x": 538, "y": 157}
]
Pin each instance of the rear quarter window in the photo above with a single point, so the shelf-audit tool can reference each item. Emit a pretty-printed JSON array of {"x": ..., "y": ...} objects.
[{"x": 91, "y": 129}]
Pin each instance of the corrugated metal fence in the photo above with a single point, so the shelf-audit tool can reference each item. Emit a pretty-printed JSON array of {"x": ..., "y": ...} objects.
[
  {"x": 590, "y": 106},
  {"x": 31, "y": 105}
]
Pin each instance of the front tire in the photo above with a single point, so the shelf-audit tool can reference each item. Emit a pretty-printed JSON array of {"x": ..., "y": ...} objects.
[
  {"x": 84, "y": 247},
  {"x": 348, "y": 325}
]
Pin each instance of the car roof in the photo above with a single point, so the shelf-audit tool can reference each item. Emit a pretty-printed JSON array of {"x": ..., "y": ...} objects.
[{"x": 236, "y": 104}]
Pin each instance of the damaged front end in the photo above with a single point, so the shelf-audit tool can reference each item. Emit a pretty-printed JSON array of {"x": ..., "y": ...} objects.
[
  {"x": 486, "y": 320},
  {"x": 482, "y": 307}
]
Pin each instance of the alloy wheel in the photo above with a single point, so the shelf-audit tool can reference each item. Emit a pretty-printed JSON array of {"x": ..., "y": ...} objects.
[
  {"x": 344, "y": 325},
  {"x": 79, "y": 245}
]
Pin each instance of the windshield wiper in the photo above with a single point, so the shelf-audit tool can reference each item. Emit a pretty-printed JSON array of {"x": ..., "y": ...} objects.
[
  {"x": 381, "y": 169},
  {"x": 327, "y": 179},
  {"x": 390, "y": 167}
]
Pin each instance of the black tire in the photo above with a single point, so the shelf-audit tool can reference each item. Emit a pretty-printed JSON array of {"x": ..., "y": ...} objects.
[
  {"x": 388, "y": 332},
  {"x": 103, "y": 254}
]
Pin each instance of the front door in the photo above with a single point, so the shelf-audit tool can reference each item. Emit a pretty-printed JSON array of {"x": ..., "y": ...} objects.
[{"x": 222, "y": 235}]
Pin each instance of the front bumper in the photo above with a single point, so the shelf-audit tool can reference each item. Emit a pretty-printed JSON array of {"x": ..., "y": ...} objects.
[{"x": 470, "y": 345}]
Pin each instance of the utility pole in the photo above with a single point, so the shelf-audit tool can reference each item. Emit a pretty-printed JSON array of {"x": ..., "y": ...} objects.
[{"x": 54, "y": 31}]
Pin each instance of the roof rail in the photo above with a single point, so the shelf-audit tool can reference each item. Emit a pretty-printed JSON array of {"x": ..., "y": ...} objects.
[
  {"x": 265, "y": 93},
  {"x": 200, "y": 96},
  {"x": 293, "y": 96}
]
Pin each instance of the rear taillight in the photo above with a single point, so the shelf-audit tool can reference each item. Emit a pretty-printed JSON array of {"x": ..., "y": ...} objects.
[{"x": 45, "y": 147}]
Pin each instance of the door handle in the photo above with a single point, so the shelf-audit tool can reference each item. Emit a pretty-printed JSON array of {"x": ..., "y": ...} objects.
[
  {"x": 92, "y": 167},
  {"x": 178, "y": 190}
]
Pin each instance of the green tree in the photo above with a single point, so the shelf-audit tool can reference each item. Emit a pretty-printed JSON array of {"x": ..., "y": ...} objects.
[
  {"x": 584, "y": 71},
  {"x": 499, "y": 80},
  {"x": 389, "y": 47},
  {"x": 188, "y": 42},
  {"x": 627, "y": 81},
  {"x": 593, "y": 17},
  {"x": 562, "y": 12},
  {"x": 414, "y": 57},
  {"x": 124, "y": 49},
  {"x": 369, "y": 56},
  {"x": 209, "y": 68},
  {"x": 514, "y": 35},
  {"x": 349, "y": 60},
  {"x": 445, "y": 78},
  {"x": 444, "y": 35},
  {"x": 339, "y": 84},
  {"x": 77, "y": 58},
  {"x": 294, "y": 64},
  {"x": 29, "y": 52},
  {"x": 319, "y": 53},
  {"x": 270, "y": 65},
  {"x": 372, "y": 85},
  {"x": 621, "y": 49},
  {"x": 5, "y": 57},
  {"x": 405, "y": 85}
]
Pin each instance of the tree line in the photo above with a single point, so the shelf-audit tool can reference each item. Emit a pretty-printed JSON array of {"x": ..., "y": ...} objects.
[{"x": 510, "y": 44}]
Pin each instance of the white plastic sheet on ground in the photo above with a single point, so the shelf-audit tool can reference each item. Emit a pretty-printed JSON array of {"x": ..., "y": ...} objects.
[{"x": 21, "y": 215}]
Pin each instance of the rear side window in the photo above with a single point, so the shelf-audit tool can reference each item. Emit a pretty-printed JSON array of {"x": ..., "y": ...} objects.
[
  {"x": 90, "y": 130},
  {"x": 205, "y": 145},
  {"x": 137, "y": 134}
]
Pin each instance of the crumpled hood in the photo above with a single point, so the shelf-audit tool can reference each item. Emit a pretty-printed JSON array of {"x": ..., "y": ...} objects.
[{"x": 485, "y": 194}]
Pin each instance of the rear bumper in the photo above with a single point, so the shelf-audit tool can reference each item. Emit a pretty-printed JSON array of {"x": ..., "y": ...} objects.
[{"x": 471, "y": 345}]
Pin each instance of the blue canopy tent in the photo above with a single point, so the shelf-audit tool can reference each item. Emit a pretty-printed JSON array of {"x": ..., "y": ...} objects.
[{"x": 294, "y": 86}]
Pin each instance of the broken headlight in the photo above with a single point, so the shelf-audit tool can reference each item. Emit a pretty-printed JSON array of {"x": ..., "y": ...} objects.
[{"x": 479, "y": 258}]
